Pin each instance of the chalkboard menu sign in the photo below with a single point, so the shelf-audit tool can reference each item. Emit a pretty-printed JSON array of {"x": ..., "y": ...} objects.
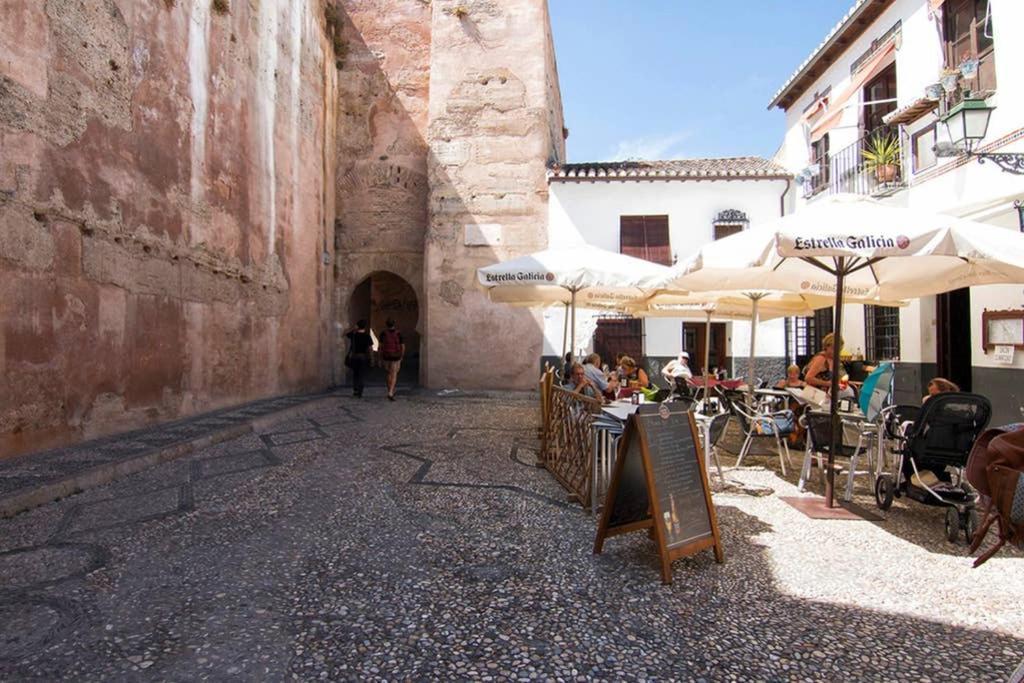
[{"x": 660, "y": 484}]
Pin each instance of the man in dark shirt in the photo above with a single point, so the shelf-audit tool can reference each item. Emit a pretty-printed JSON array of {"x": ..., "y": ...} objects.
[{"x": 358, "y": 360}]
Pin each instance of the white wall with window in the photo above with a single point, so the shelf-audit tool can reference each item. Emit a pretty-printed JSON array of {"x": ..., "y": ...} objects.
[
  {"x": 593, "y": 211},
  {"x": 944, "y": 332}
]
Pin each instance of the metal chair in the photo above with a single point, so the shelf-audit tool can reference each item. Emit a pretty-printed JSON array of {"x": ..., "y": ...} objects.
[
  {"x": 715, "y": 431},
  {"x": 607, "y": 434},
  {"x": 771, "y": 425},
  {"x": 819, "y": 432}
]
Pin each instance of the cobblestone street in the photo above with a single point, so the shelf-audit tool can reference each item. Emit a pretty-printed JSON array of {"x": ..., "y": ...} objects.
[{"x": 416, "y": 540}]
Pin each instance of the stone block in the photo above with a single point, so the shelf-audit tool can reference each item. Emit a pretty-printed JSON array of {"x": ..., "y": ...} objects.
[{"x": 26, "y": 238}]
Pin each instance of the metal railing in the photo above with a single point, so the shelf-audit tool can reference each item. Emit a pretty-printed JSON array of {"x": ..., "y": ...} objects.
[{"x": 845, "y": 171}]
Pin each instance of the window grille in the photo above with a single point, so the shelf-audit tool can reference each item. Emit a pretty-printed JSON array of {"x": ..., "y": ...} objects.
[{"x": 882, "y": 332}]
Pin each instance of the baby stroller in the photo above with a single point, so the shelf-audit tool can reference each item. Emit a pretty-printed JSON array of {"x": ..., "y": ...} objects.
[{"x": 931, "y": 450}]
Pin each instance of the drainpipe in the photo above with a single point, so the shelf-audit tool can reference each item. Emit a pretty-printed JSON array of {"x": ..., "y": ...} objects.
[
  {"x": 1019, "y": 205},
  {"x": 782, "y": 199}
]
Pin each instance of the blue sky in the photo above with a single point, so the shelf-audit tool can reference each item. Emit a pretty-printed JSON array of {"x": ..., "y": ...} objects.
[{"x": 663, "y": 79}]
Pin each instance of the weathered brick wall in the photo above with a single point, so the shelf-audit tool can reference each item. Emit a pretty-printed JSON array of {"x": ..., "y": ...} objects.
[
  {"x": 495, "y": 121},
  {"x": 166, "y": 199}
]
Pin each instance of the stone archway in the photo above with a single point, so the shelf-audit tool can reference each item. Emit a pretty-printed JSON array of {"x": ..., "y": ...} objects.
[{"x": 382, "y": 295}]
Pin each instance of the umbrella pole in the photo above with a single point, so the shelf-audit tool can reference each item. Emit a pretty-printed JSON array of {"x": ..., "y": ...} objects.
[
  {"x": 753, "y": 341},
  {"x": 565, "y": 331},
  {"x": 835, "y": 436},
  {"x": 707, "y": 358},
  {"x": 572, "y": 324}
]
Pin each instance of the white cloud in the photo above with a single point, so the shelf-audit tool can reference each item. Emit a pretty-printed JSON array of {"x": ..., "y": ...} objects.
[{"x": 650, "y": 148}]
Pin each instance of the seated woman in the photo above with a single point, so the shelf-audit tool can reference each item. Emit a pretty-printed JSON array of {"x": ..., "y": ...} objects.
[
  {"x": 792, "y": 379},
  {"x": 939, "y": 385},
  {"x": 579, "y": 384},
  {"x": 634, "y": 376}
]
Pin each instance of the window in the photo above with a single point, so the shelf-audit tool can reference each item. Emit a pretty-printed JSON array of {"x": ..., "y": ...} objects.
[
  {"x": 729, "y": 222},
  {"x": 967, "y": 33},
  {"x": 819, "y": 156},
  {"x": 803, "y": 336},
  {"x": 923, "y": 145},
  {"x": 882, "y": 332},
  {"x": 879, "y": 89},
  {"x": 645, "y": 237}
]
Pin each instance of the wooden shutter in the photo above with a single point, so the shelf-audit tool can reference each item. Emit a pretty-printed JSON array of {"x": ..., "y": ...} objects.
[
  {"x": 645, "y": 237},
  {"x": 632, "y": 241}
]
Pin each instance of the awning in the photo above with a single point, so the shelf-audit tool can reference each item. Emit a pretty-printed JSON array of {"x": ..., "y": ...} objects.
[
  {"x": 935, "y": 4},
  {"x": 857, "y": 81}
]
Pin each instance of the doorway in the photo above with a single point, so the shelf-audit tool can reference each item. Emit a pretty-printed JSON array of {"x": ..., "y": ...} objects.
[
  {"x": 619, "y": 335},
  {"x": 384, "y": 295},
  {"x": 953, "y": 337},
  {"x": 693, "y": 344}
]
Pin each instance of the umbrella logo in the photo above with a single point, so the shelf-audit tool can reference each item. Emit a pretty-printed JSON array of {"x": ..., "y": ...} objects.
[
  {"x": 805, "y": 285},
  {"x": 550, "y": 277},
  {"x": 902, "y": 241}
]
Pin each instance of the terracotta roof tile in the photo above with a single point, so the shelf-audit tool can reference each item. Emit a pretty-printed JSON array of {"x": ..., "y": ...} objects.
[{"x": 727, "y": 167}]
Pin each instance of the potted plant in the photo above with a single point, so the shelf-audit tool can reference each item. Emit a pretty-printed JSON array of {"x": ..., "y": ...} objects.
[
  {"x": 882, "y": 156},
  {"x": 949, "y": 78},
  {"x": 969, "y": 67}
]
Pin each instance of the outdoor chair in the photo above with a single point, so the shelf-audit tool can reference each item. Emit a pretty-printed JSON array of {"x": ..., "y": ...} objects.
[
  {"x": 818, "y": 442},
  {"x": 607, "y": 434},
  {"x": 716, "y": 430},
  {"x": 775, "y": 425}
]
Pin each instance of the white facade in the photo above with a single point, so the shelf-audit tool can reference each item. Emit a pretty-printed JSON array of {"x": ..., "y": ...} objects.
[
  {"x": 957, "y": 186},
  {"x": 589, "y": 211}
]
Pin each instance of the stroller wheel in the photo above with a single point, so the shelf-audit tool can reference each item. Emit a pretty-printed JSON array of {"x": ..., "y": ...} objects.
[
  {"x": 952, "y": 525},
  {"x": 970, "y": 519},
  {"x": 884, "y": 491}
]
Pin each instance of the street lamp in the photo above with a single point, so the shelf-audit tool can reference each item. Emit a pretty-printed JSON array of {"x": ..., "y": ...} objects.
[{"x": 965, "y": 126}]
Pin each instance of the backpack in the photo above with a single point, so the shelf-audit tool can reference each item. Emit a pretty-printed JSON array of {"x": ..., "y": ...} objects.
[
  {"x": 996, "y": 469},
  {"x": 390, "y": 345}
]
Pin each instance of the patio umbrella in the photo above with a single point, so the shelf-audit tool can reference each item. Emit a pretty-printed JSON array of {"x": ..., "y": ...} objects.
[
  {"x": 752, "y": 305},
  {"x": 853, "y": 246},
  {"x": 581, "y": 275}
]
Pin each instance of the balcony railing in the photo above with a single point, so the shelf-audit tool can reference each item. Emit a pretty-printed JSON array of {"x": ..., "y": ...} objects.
[{"x": 844, "y": 170}]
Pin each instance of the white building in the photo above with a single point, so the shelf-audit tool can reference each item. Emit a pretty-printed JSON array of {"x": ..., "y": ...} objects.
[
  {"x": 665, "y": 211},
  {"x": 876, "y": 71}
]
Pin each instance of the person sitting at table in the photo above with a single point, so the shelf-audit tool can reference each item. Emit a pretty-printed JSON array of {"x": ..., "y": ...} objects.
[
  {"x": 579, "y": 384},
  {"x": 818, "y": 372},
  {"x": 792, "y": 379},
  {"x": 939, "y": 385},
  {"x": 633, "y": 375},
  {"x": 593, "y": 371}
]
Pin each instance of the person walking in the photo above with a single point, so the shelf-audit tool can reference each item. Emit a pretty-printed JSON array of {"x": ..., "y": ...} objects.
[
  {"x": 392, "y": 350},
  {"x": 360, "y": 343}
]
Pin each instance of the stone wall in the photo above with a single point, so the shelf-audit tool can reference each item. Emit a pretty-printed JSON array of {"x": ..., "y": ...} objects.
[
  {"x": 493, "y": 108},
  {"x": 166, "y": 202},
  {"x": 381, "y": 147}
]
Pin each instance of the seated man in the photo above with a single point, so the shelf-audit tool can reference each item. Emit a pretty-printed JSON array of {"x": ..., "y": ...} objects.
[
  {"x": 677, "y": 369},
  {"x": 579, "y": 384}
]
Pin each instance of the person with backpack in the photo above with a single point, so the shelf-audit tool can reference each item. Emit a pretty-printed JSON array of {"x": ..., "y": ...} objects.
[{"x": 392, "y": 350}]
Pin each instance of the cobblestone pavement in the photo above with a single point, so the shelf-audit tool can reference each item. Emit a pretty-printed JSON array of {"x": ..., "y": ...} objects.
[
  {"x": 37, "y": 469},
  {"x": 414, "y": 540}
]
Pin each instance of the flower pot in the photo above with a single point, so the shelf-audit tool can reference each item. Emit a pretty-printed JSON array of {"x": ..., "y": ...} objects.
[
  {"x": 969, "y": 68},
  {"x": 949, "y": 81},
  {"x": 935, "y": 91},
  {"x": 886, "y": 173}
]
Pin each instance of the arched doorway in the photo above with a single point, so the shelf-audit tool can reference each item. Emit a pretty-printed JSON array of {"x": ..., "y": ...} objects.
[{"x": 383, "y": 295}]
